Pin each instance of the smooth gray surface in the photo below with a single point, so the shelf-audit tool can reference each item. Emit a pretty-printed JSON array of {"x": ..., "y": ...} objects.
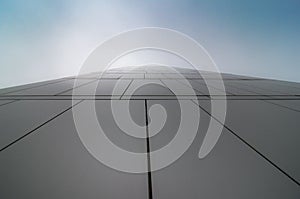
[
  {"x": 237, "y": 91},
  {"x": 230, "y": 90},
  {"x": 271, "y": 129},
  {"x": 152, "y": 87},
  {"x": 180, "y": 88},
  {"x": 291, "y": 104},
  {"x": 112, "y": 76},
  {"x": 269, "y": 87},
  {"x": 28, "y": 86},
  {"x": 154, "y": 76},
  {"x": 52, "y": 163},
  {"x": 99, "y": 75},
  {"x": 51, "y": 89},
  {"x": 134, "y": 76},
  {"x": 18, "y": 118},
  {"x": 202, "y": 88},
  {"x": 4, "y": 102},
  {"x": 113, "y": 132},
  {"x": 248, "y": 86},
  {"x": 102, "y": 87},
  {"x": 231, "y": 170},
  {"x": 291, "y": 84},
  {"x": 256, "y": 158}
]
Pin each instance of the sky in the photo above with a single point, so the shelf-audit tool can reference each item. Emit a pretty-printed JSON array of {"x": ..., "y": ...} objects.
[{"x": 42, "y": 40}]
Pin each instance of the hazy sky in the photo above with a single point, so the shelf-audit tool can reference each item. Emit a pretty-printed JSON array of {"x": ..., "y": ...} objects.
[{"x": 42, "y": 40}]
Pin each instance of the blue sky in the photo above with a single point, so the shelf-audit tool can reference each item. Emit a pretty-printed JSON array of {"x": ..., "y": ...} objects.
[{"x": 42, "y": 40}]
